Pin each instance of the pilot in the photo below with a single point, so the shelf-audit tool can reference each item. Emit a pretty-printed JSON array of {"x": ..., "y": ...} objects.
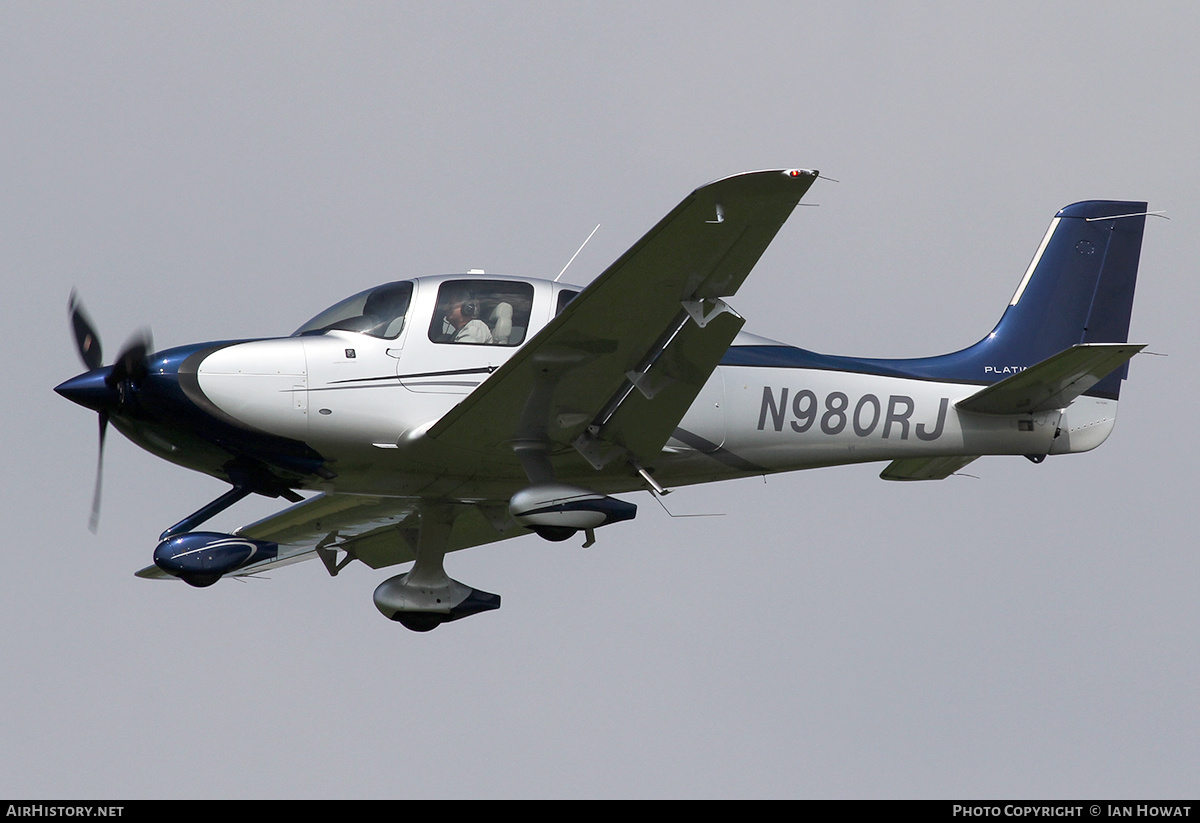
[{"x": 468, "y": 328}]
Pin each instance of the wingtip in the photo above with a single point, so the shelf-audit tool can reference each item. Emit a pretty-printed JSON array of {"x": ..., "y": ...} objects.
[{"x": 765, "y": 182}]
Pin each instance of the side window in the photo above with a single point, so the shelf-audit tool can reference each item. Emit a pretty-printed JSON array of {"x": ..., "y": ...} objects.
[
  {"x": 564, "y": 297},
  {"x": 482, "y": 312}
]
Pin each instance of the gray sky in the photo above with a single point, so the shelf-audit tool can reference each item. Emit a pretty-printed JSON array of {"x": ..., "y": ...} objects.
[{"x": 226, "y": 170}]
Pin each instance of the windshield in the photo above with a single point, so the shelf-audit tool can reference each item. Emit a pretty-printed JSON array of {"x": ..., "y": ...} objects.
[{"x": 379, "y": 312}]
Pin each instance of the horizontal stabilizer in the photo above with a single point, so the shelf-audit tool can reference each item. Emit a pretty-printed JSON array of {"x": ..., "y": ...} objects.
[
  {"x": 926, "y": 468},
  {"x": 1054, "y": 382}
]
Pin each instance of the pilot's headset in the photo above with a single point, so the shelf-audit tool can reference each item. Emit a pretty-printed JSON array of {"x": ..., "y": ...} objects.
[{"x": 470, "y": 308}]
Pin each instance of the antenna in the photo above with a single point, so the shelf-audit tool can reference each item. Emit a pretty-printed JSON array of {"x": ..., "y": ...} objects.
[{"x": 576, "y": 254}]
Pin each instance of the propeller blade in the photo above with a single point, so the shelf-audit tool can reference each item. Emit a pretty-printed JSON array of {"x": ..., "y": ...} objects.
[
  {"x": 94, "y": 520},
  {"x": 131, "y": 362},
  {"x": 87, "y": 342}
]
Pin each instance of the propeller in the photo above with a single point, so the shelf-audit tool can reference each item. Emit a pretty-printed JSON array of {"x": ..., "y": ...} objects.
[
  {"x": 86, "y": 339},
  {"x": 94, "y": 517},
  {"x": 112, "y": 391}
]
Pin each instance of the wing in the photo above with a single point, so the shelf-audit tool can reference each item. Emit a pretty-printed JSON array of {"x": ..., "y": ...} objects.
[
  {"x": 379, "y": 531},
  {"x": 615, "y": 372}
]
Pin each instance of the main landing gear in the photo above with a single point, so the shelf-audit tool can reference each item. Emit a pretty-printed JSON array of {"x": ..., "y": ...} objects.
[{"x": 426, "y": 597}]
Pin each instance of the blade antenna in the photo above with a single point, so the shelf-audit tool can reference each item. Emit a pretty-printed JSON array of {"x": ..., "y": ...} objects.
[{"x": 576, "y": 254}]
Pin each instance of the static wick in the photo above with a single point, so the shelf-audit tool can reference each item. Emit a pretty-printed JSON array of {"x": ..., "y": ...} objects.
[{"x": 670, "y": 514}]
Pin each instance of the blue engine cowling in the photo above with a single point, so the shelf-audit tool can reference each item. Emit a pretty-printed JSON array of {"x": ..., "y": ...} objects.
[{"x": 200, "y": 558}]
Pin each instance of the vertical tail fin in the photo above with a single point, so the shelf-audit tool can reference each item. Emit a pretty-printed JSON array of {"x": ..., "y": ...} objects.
[{"x": 1077, "y": 289}]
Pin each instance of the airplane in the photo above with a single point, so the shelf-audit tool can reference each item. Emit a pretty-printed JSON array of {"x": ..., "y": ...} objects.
[{"x": 439, "y": 413}]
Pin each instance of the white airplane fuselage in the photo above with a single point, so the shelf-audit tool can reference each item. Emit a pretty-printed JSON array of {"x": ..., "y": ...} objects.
[{"x": 363, "y": 404}]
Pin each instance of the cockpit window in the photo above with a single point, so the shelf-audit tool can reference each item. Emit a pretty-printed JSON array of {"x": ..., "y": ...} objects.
[
  {"x": 488, "y": 312},
  {"x": 379, "y": 312}
]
